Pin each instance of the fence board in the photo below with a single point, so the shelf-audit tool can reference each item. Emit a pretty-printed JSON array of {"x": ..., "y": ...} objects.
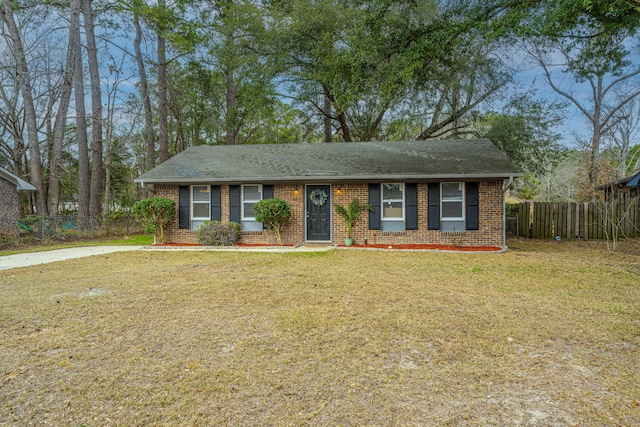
[{"x": 577, "y": 220}]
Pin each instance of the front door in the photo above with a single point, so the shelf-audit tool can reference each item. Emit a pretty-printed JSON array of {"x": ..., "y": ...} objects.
[{"x": 318, "y": 207}]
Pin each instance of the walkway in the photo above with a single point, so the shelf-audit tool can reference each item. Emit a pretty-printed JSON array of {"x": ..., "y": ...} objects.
[{"x": 35, "y": 258}]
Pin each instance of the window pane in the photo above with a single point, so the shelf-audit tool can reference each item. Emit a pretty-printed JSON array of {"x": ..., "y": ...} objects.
[
  {"x": 251, "y": 192},
  {"x": 451, "y": 190},
  {"x": 249, "y": 211},
  {"x": 391, "y": 191},
  {"x": 251, "y": 226},
  {"x": 452, "y": 226},
  {"x": 392, "y": 210},
  {"x": 196, "y": 224},
  {"x": 451, "y": 210},
  {"x": 200, "y": 193},
  {"x": 200, "y": 210}
]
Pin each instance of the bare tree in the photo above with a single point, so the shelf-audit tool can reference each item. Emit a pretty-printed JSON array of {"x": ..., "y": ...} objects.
[
  {"x": 81, "y": 130},
  {"x": 55, "y": 164},
  {"x": 611, "y": 86},
  {"x": 24, "y": 79},
  {"x": 625, "y": 134},
  {"x": 163, "y": 135},
  {"x": 95, "y": 197},
  {"x": 144, "y": 89}
]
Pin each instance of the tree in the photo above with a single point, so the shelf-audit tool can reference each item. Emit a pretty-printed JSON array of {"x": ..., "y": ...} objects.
[
  {"x": 154, "y": 214},
  {"x": 524, "y": 130},
  {"x": 623, "y": 136},
  {"x": 55, "y": 166},
  {"x": 602, "y": 66},
  {"x": 81, "y": 130},
  {"x": 273, "y": 213},
  {"x": 24, "y": 81},
  {"x": 95, "y": 197}
]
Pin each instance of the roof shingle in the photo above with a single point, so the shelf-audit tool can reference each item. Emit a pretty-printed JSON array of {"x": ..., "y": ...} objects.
[{"x": 354, "y": 161}]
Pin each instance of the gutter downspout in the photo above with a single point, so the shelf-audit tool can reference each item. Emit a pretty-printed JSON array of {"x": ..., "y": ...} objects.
[
  {"x": 150, "y": 189},
  {"x": 504, "y": 211}
]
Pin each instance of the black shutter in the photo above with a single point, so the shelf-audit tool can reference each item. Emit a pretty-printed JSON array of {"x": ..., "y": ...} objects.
[
  {"x": 216, "y": 203},
  {"x": 411, "y": 199},
  {"x": 471, "y": 201},
  {"x": 234, "y": 203},
  {"x": 433, "y": 219},
  {"x": 374, "y": 201},
  {"x": 183, "y": 206},
  {"x": 267, "y": 191}
]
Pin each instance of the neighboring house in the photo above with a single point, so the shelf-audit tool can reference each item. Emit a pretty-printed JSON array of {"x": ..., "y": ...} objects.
[
  {"x": 624, "y": 188},
  {"x": 422, "y": 192},
  {"x": 10, "y": 200}
]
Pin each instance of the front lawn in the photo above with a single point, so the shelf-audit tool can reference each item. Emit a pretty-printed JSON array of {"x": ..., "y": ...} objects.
[{"x": 547, "y": 333}]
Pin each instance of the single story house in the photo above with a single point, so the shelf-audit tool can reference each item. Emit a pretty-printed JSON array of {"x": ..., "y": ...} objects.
[
  {"x": 422, "y": 192},
  {"x": 10, "y": 200}
]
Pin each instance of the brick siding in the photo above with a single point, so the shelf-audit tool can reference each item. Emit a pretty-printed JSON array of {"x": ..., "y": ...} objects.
[
  {"x": 9, "y": 207},
  {"x": 490, "y": 232}
]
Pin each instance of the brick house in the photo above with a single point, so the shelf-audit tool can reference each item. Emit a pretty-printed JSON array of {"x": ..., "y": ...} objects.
[
  {"x": 10, "y": 200},
  {"x": 423, "y": 192}
]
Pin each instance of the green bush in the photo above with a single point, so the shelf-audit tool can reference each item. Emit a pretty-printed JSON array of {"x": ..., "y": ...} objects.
[
  {"x": 216, "y": 233},
  {"x": 154, "y": 214},
  {"x": 273, "y": 213}
]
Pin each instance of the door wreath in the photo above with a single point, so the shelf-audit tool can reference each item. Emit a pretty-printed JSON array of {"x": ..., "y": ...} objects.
[{"x": 318, "y": 197}]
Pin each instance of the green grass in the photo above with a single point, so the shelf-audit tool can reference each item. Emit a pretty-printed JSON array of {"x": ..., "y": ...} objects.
[
  {"x": 133, "y": 240},
  {"x": 547, "y": 333}
]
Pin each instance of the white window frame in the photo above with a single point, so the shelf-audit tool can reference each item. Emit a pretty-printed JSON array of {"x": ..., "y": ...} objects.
[
  {"x": 244, "y": 218},
  {"x": 383, "y": 201},
  {"x": 193, "y": 202},
  {"x": 460, "y": 199}
]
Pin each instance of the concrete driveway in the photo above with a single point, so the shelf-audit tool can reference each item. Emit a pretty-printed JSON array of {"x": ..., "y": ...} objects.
[{"x": 25, "y": 260}]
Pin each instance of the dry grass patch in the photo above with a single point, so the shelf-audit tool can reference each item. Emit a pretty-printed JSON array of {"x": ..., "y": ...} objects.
[{"x": 545, "y": 334}]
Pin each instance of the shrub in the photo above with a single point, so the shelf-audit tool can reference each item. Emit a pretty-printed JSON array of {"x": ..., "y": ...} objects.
[
  {"x": 216, "y": 233},
  {"x": 273, "y": 213},
  {"x": 154, "y": 214},
  {"x": 352, "y": 212}
]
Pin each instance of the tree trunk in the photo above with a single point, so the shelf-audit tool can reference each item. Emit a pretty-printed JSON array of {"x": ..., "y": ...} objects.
[
  {"x": 24, "y": 79},
  {"x": 95, "y": 198},
  {"x": 328, "y": 132},
  {"x": 81, "y": 132},
  {"x": 163, "y": 138},
  {"x": 55, "y": 166},
  {"x": 144, "y": 93},
  {"x": 231, "y": 94}
]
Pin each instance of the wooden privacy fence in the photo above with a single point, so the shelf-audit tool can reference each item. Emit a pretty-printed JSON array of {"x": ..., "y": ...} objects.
[{"x": 591, "y": 220}]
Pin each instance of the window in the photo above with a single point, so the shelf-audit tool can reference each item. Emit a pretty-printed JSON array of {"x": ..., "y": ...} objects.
[
  {"x": 393, "y": 207},
  {"x": 200, "y": 205},
  {"x": 452, "y": 207},
  {"x": 251, "y": 194}
]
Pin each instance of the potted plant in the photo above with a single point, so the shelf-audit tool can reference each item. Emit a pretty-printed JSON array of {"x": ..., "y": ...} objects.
[{"x": 350, "y": 214}]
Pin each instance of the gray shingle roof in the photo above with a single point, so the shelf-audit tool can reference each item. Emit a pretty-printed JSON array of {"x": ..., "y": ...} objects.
[
  {"x": 21, "y": 185},
  {"x": 332, "y": 162}
]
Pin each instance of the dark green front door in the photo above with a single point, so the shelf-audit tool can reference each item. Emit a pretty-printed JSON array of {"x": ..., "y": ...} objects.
[{"x": 318, "y": 207}]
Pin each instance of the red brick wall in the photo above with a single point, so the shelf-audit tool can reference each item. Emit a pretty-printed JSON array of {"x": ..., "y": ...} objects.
[{"x": 489, "y": 234}]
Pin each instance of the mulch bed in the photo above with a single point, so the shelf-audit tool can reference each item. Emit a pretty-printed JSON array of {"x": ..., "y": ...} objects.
[{"x": 431, "y": 247}]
